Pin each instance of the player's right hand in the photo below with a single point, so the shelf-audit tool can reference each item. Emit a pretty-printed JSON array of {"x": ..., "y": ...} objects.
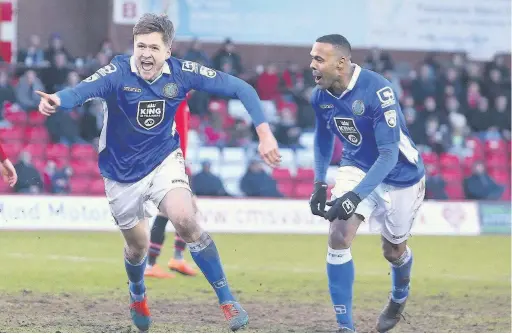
[
  {"x": 9, "y": 172},
  {"x": 318, "y": 199},
  {"x": 48, "y": 104}
]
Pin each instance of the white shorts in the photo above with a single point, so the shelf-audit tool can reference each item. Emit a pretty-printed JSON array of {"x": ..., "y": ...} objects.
[
  {"x": 132, "y": 202},
  {"x": 390, "y": 208}
]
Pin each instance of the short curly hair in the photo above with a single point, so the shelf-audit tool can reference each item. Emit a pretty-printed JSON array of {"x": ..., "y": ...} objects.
[{"x": 149, "y": 23}]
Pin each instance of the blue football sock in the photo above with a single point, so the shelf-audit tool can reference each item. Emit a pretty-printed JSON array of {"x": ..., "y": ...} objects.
[
  {"x": 340, "y": 273},
  {"x": 136, "y": 278},
  {"x": 401, "y": 276},
  {"x": 205, "y": 254}
]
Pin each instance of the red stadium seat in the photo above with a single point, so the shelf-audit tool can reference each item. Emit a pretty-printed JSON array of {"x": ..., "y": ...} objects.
[
  {"x": 500, "y": 176},
  {"x": 455, "y": 191},
  {"x": 36, "y": 119},
  {"x": 495, "y": 147},
  {"x": 97, "y": 187},
  {"x": 286, "y": 188},
  {"x": 430, "y": 158},
  {"x": 281, "y": 105},
  {"x": 15, "y": 134},
  {"x": 39, "y": 164},
  {"x": 305, "y": 175},
  {"x": 194, "y": 122},
  {"x": 36, "y": 149},
  {"x": 496, "y": 161},
  {"x": 83, "y": 167},
  {"x": 452, "y": 175},
  {"x": 12, "y": 150},
  {"x": 18, "y": 118},
  {"x": 37, "y": 134},
  {"x": 281, "y": 174},
  {"x": 83, "y": 152},
  {"x": 80, "y": 185},
  {"x": 57, "y": 151},
  {"x": 467, "y": 165},
  {"x": 303, "y": 189},
  {"x": 449, "y": 161}
]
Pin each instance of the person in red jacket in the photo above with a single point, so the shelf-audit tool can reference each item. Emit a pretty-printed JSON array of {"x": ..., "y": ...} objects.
[
  {"x": 8, "y": 172},
  {"x": 177, "y": 262}
]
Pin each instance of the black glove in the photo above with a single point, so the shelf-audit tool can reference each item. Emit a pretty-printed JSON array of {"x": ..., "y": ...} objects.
[
  {"x": 318, "y": 198},
  {"x": 343, "y": 207}
]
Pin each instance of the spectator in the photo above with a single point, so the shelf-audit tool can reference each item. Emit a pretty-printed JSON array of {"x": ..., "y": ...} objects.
[
  {"x": 29, "y": 179},
  {"x": 305, "y": 113},
  {"x": 55, "y": 45},
  {"x": 64, "y": 128},
  {"x": 495, "y": 85},
  {"x": 33, "y": 55},
  {"x": 56, "y": 76},
  {"x": 60, "y": 181},
  {"x": 7, "y": 93},
  {"x": 425, "y": 85},
  {"x": 480, "y": 186},
  {"x": 378, "y": 61},
  {"x": 198, "y": 102},
  {"x": 500, "y": 115},
  {"x": 25, "y": 90},
  {"x": 91, "y": 122},
  {"x": 479, "y": 118},
  {"x": 435, "y": 185},
  {"x": 287, "y": 132},
  {"x": 48, "y": 172},
  {"x": 453, "y": 80},
  {"x": 416, "y": 128},
  {"x": 205, "y": 183},
  {"x": 293, "y": 79},
  {"x": 268, "y": 83},
  {"x": 239, "y": 134},
  {"x": 395, "y": 82},
  {"x": 107, "y": 48},
  {"x": 473, "y": 95},
  {"x": 227, "y": 60},
  {"x": 196, "y": 54},
  {"x": 257, "y": 183}
]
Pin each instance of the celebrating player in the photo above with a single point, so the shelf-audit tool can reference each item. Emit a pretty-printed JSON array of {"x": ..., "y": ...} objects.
[
  {"x": 157, "y": 237},
  {"x": 139, "y": 155},
  {"x": 381, "y": 176},
  {"x": 8, "y": 172}
]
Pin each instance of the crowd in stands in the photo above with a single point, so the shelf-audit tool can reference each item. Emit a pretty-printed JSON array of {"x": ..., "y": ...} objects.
[{"x": 458, "y": 113}]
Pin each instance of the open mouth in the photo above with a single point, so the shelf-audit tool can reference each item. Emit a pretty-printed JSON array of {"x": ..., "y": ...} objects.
[
  {"x": 318, "y": 78},
  {"x": 146, "y": 65}
]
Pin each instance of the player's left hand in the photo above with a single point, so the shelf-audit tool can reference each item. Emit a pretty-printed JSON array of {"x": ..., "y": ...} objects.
[
  {"x": 48, "y": 104},
  {"x": 342, "y": 208},
  {"x": 9, "y": 172}
]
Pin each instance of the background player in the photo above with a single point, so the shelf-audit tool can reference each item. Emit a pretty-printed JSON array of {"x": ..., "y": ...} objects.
[
  {"x": 139, "y": 155},
  {"x": 381, "y": 174},
  {"x": 7, "y": 169},
  {"x": 157, "y": 237}
]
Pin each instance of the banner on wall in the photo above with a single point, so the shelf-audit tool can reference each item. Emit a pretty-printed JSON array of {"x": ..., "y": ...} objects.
[
  {"x": 222, "y": 215},
  {"x": 495, "y": 218},
  {"x": 480, "y": 28}
]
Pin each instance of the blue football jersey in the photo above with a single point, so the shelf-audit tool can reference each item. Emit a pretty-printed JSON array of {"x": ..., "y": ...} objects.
[
  {"x": 139, "y": 130},
  {"x": 365, "y": 116}
]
